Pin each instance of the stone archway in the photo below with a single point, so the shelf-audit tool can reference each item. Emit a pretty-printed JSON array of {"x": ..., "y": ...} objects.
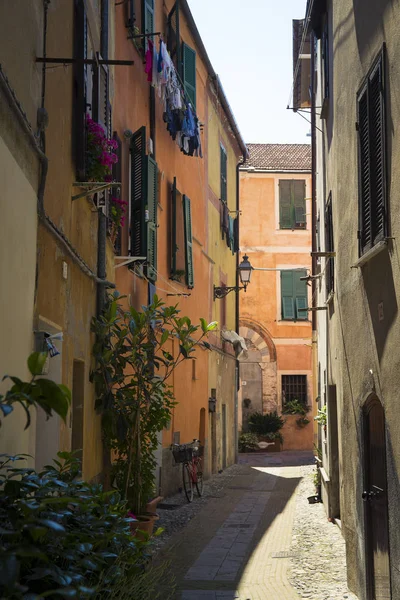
[{"x": 258, "y": 371}]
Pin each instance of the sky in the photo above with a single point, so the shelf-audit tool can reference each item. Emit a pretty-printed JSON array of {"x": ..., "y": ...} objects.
[{"x": 249, "y": 43}]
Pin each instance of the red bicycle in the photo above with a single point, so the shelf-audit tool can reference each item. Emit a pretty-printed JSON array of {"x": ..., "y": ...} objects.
[{"x": 190, "y": 456}]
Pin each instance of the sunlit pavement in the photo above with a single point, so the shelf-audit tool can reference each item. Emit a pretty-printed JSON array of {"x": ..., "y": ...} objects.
[{"x": 238, "y": 545}]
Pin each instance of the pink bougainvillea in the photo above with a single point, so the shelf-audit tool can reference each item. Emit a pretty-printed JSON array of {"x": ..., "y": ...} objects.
[{"x": 100, "y": 155}]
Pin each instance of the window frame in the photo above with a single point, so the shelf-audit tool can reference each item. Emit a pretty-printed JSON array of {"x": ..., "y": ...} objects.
[
  {"x": 223, "y": 156},
  {"x": 294, "y": 225},
  {"x": 329, "y": 247},
  {"x": 369, "y": 190},
  {"x": 294, "y": 394},
  {"x": 294, "y": 296}
]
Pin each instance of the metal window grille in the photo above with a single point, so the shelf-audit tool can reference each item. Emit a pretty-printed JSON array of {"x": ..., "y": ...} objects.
[
  {"x": 329, "y": 246},
  {"x": 294, "y": 387}
]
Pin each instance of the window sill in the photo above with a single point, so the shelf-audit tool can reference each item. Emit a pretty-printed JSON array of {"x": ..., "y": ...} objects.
[
  {"x": 374, "y": 251},
  {"x": 295, "y": 229},
  {"x": 293, "y": 322}
]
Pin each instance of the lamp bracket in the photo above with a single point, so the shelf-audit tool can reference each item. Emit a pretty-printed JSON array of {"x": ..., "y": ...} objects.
[{"x": 221, "y": 292}]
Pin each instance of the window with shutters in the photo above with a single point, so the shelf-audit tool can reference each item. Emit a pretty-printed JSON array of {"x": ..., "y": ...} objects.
[
  {"x": 373, "y": 221},
  {"x": 117, "y": 192},
  {"x": 139, "y": 18},
  {"x": 182, "y": 268},
  {"x": 325, "y": 68},
  {"x": 173, "y": 37},
  {"x": 224, "y": 174},
  {"x": 81, "y": 93},
  {"x": 292, "y": 204},
  {"x": 294, "y": 295},
  {"x": 329, "y": 247},
  {"x": 143, "y": 204},
  {"x": 294, "y": 387},
  {"x": 188, "y": 74}
]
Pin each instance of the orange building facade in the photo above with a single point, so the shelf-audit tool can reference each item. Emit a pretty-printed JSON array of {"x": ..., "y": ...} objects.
[
  {"x": 275, "y": 185},
  {"x": 180, "y": 265}
]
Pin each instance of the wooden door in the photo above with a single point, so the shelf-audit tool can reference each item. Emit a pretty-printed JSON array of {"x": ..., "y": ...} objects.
[
  {"x": 224, "y": 436},
  {"x": 376, "y": 503}
]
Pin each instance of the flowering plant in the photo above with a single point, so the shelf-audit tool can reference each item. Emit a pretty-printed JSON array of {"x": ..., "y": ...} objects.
[
  {"x": 99, "y": 152},
  {"x": 117, "y": 215}
]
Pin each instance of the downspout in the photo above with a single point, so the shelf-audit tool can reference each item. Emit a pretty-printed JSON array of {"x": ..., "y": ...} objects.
[
  {"x": 313, "y": 187},
  {"x": 237, "y": 315}
]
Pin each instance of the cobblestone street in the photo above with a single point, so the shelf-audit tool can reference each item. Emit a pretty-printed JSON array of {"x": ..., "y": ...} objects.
[{"x": 258, "y": 538}]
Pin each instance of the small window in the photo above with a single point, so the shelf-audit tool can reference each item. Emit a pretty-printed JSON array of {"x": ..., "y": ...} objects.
[
  {"x": 224, "y": 174},
  {"x": 294, "y": 387},
  {"x": 292, "y": 204},
  {"x": 182, "y": 268},
  {"x": 143, "y": 204},
  {"x": 189, "y": 73},
  {"x": 294, "y": 295},
  {"x": 329, "y": 247},
  {"x": 371, "y": 158}
]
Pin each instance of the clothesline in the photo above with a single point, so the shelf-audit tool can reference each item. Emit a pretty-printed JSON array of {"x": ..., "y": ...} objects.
[{"x": 179, "y": 114}]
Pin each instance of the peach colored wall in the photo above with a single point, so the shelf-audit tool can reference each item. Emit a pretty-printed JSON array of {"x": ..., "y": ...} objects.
[
  {"x": 270, "y": 247},
  {"x": 132, "y": 111}
]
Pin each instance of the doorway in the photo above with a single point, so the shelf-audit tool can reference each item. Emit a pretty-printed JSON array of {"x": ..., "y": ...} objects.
[
  {"x": 224, "y": 436},
  {"x": 376, "y": 502}
]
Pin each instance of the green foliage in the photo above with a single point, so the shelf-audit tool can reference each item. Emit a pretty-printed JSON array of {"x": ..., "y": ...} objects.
[
  {"x": 248, "y": 442},
  {"x": 59, "y": 536},
  {"x": 294, "y": 407},
  {"x": 302, "y": 421},
  {"x": 154, "y": 583},
  {"x": 273, "y": 436},
  {"x": 265, "y": 424},
  {"x": 50, "y": 396},
  {"x": 316, "y": 479},
  {"x": 321, "y": 417},
  {"x": 135, "y": 356}
]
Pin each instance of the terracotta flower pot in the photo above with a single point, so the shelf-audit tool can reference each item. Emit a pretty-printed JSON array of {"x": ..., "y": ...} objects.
[
  {"x": 143, "y": 527},
  {"x": 151, "y": 506}
]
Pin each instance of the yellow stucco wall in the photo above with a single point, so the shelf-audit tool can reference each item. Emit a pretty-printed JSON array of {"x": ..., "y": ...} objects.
[{"x": 17, "y": 276}]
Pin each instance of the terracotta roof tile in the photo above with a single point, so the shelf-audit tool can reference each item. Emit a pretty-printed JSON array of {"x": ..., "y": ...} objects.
[{"x": 279, "y": 157}]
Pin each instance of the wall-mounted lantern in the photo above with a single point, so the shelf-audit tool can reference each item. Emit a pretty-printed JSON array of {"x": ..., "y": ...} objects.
[{"x": 244, "y": 270}]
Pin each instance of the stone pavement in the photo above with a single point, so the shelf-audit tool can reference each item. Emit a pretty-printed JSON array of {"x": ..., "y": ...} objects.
[{"x": 240, "y": 546}]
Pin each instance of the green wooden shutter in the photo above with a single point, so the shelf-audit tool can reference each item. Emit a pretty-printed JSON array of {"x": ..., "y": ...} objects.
[
  {"x": 300, "y": 293},
  {"x": 174, "y": 37},
  {"x": 148, "y": 19},
  {"x": 224, "y": 175},
  {"x": 173, "y": 228},
  {"x": 299, "y": 201},
  {"x": 152, "y": 222},
  {"x": 80, "y": 99},
  {"x": 189, "y": 73},
  {"x": 288, "y": 308},
  {"x": 138, "y": 242},
  {"x": 377, "y": 151},
  {"x": 285, "y": 204},
  {"x": 187, "y": 215}
]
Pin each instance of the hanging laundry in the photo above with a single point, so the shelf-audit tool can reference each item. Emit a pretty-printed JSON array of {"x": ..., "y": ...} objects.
[{"x": 149, "y": 61}]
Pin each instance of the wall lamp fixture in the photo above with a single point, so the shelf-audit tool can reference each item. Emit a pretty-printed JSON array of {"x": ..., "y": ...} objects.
[{"x": 244, "y": 270}]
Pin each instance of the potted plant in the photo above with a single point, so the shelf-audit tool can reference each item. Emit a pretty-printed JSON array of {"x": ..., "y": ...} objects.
[
  {"x": 100, "y": 155},
  {"x": 267, "y": 427},
  {"x": 134, "y": 360}
]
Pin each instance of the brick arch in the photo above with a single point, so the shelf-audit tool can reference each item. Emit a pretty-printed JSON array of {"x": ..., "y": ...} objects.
[{"x": 259, "y": 336}]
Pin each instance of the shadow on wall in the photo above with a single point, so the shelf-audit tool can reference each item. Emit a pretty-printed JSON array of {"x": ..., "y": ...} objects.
[
  {"x": 381, "y": 296},
  {"x": 369, "y": 19}
]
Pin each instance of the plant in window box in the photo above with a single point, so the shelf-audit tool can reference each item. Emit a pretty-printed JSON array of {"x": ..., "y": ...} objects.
[
  {"x": 100, "y": 155},
  {"x": 321, "y": 417},
  {"x": 302, "y": 421},
  {"x": 294, "y": 407},
  {"x": 134, "y": 360}
]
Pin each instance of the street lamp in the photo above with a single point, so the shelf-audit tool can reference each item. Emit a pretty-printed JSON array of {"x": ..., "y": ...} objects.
[{"x": 244, "y": 270}]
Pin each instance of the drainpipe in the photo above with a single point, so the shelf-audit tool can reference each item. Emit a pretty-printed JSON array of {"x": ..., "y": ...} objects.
[
  {"x": 313, "y": 186},
  {"x": 239, "y": 164}
]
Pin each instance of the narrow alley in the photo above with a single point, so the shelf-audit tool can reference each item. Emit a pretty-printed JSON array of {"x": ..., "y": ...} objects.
[{"x": 259, "y": 538}]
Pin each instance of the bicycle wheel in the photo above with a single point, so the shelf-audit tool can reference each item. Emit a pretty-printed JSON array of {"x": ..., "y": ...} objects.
[
  {"x": 187, "y": 482},
  {"x": 199, "y": 480}
]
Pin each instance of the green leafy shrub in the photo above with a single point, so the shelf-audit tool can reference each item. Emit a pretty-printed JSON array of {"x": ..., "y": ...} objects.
[
  {"x": 134, "y": 360},
  {"x": 248, "y": 442},
  {"x": 265, "y": 424},
  {"x": 60, "y": 535},
  {"x": 302, "y": 421},
  {"x": 294, "y": 407},
  {"x": 273, "y": 436},
  {"x": 321, "y": 417},
  {"x": 46, "y": 394}
]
